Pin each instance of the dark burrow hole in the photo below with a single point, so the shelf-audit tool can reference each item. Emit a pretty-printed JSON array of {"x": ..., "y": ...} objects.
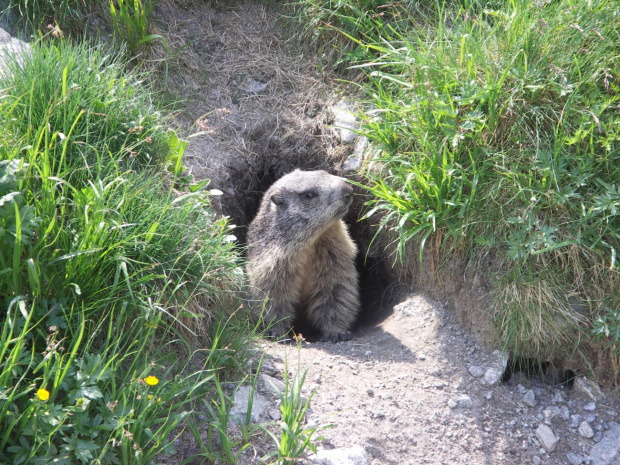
[
  {"x": 376, "y": 276},
  {"x": 543, "y": 370}
]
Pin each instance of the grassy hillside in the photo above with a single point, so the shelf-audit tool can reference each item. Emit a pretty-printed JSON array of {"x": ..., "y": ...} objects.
[
  {"x": 111, "y": 265},
  {"x": 497, "y": 129}
]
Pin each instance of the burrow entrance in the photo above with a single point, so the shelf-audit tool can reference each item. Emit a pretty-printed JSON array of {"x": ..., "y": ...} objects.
[{"x": 278, "y": 148}]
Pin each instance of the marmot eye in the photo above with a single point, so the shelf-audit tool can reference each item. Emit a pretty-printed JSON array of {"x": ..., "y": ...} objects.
[{"x": 309, "y": 194}]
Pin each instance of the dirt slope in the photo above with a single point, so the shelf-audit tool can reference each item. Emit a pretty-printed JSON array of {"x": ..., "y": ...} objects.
[{"x": 394, "y": 387}]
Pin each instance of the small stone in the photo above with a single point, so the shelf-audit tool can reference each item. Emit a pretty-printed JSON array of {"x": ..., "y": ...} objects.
[
  {"x": 574, "y": 459},
  {"x": 476, "y": 371},
  {"x": 598, "y": 436},
  {"x": 255, "y": 87},
  {"x": 272, "y": 385},
  {"x": 368, "y": 353},
  {"x": 529, "y": 399},
  {"x": 546, "y": 437},
  {"x": 355, "y": 455},
  {"x": 558, "y": 397},
  {"x": 588, "y": 388},
  {"x": 462, "y": 401},
  {"x": 564, "y": 413},
  {"x": 551, "y": 412},
  {"x": 370, "y": 392},
  {"x": 586, "y": 430},
  {"x": 590, "y": 407},
  {"x": 536, "y": 460},
  {"x": 317, "y": 379},
  {"x": 575, "y": 420},
  {"x": 241, "y": 401},
  {"x": 422, "y": 357},
  {"x": 489, "y": 395}
]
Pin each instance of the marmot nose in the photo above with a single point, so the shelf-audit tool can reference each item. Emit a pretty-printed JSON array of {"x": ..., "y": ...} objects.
[{"x": 347, "y": 190}]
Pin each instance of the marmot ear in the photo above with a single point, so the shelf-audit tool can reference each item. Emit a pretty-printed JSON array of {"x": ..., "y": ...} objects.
[{"x": 277, "y": 198}]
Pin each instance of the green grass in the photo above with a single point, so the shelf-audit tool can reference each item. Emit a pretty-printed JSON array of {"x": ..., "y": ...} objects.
[
  {"x": 498, "y": 128},
  {"x": 43, "y": 15},
  {"x": 112, "y": 268},
  {"x": 131, "y": 20}
]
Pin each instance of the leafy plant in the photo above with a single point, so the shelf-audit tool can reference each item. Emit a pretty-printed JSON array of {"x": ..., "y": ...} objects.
[
  {"x": 133, "y": 22},
  {"x": 295, "y": 435}
]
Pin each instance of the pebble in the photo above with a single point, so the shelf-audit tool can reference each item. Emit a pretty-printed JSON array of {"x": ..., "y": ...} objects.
[
  {"x": 564, "y": 413},
  {"x": 558, "y": 397},
  {"x": 476, "y": 371},
  {"x": 461, "y": 401},
  {"x": 422, "y": 357},
  {"x": 588, "y": 388},
  {"x": 355, "y": 455},
  {"x": 575, "y": 420},
  {"x": 536, "y": 460},
  {"x": 271, "y": 384},
  {"x": 529, "y": 399},
  {"x": 547, "y": 437},
  {"x": 551, "y": 412},
  {"x": 585, "y": 430},
  {"x": 590, "y": 407},
  {"x": 241, "y": 402}
]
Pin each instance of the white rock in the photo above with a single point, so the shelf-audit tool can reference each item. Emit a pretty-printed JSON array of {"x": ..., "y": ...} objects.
[
  {"x": 590, "y": 407},
  {"x": 588, "y": 388},
  {"x": 495, "y": 371},
  {"x": 241, "y": 402},
  {"x": 546, "y": 437},
  {"x": 586, "y": 430},
  {"x": 10, "y": 46},
  {"x": 271, "y": 384},
  {"x": 529, "y": 399},
  {"x": 345, "y": 122},
  {"x": 461, "y": 401},
  {"x": 355, "y": 455}
]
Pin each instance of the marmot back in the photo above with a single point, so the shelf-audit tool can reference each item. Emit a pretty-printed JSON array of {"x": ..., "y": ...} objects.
[{"x": 300, "y": 254}]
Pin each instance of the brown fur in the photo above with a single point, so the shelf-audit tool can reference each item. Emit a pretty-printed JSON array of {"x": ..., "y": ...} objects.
[{"x": 300, "y": 254}]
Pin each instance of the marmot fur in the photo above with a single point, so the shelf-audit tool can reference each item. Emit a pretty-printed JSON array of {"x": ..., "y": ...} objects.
[{"x": 300, "y": 255}]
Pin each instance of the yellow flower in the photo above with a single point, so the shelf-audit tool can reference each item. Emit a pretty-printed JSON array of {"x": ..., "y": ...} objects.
[
  {"x": 150, "y": 396},
  {"x": 151, "y": 380},
  {"x": 43, "y": 394}
]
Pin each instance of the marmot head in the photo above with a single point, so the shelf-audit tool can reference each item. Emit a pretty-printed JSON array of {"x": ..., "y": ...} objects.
[{"x": 307, "y": 202}]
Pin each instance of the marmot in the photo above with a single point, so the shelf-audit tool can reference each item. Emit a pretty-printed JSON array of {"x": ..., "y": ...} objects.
[{"x": 301, "y": 257}]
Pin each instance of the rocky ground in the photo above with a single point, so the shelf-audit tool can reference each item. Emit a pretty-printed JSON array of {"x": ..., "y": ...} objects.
[{"x": 416, "y": 388}]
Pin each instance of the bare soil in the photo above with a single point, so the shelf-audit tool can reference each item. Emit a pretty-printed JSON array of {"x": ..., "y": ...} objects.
[{"x": 255, "y": 106}]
